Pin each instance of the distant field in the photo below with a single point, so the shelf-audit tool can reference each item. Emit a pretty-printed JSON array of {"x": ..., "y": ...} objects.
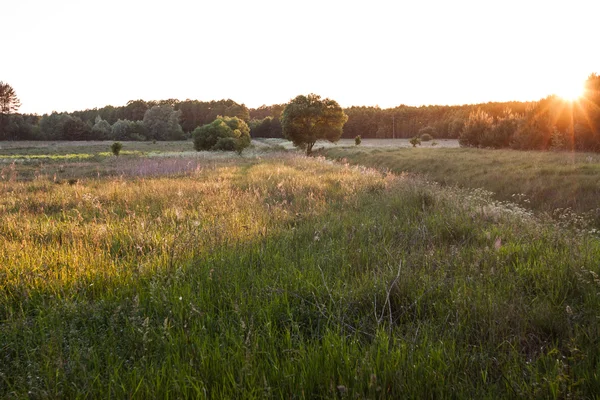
[
  {"x": 556, "y": 183},
  {"x": 386, "y": 143},
  {"x": 86, "y": 147},
  {"x": 27, "y": 160},
  {"x": 176, "y": 274}
]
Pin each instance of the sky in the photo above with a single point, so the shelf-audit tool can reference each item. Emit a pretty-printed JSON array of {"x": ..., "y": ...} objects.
[{"x": 66, "y": 55}]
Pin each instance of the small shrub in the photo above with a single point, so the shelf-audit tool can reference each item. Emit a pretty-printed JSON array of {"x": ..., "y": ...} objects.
[
  {"x": 415, "y": 141},
  {"x": 116, "y": 148},
  {"x": 427, "y": 133},
  {"x": 357, "y": 140},
  {"x": 434, "y": 143}
]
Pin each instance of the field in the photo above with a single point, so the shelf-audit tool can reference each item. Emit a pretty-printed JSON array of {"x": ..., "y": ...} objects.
[
  {"x": 563, "y": 185},
  {"x": 378, "y": 143},
  {"x": 166, "y": 273}
]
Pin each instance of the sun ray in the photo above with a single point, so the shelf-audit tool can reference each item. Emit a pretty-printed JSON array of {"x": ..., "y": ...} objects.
[{"x": 570, "y": 92}]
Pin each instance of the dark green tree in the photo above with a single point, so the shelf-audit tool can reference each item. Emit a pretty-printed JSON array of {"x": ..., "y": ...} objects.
[
  {"x": 75, "y": 129},
  {"x": 162, "y": 123},
  {"x": 101, "y": 129},
  {"x": 307, "y": 119},
  {"x": 9, "y": 103},
  {"x": 135, "y": 110}
]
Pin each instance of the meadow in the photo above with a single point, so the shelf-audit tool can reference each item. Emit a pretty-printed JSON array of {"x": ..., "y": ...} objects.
[
  {"x": 564, "y": 185},
  {"x": 176, "y": 274}
]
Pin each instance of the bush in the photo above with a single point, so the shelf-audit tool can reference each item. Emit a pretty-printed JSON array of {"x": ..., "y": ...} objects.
[
  {"x": 415, "y": 141},
  {"x": 357, "y": 140},
  {"x": 116, "y": 148},
  {"x": 224, "y": 133},
  {"x": 427, "y": 133}
]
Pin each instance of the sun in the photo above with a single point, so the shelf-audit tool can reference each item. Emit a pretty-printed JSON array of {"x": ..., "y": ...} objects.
[{"x": 570, "y": 91}]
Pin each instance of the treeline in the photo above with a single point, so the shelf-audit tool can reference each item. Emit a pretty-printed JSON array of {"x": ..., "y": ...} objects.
[
  {"x": 134, "y": 121},
  {"x": 550, "y": 123},
  {"x": 138, "y": 120}
]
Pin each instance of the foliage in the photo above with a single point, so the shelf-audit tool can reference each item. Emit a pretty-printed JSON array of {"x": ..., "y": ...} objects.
[
  {"x": 558, "y": 141},
  {"x": 51, "y": 126},
  {"x": 9, "y": 103},
  {"x": 19, "y": 126},
  {"x": 116, "y": 147},
  {"x": 501, "y": 133},
  {"x": 101, "y": 129},
  {"x": 427, "y": 133},
  {"x": 357, "y": 140},
  {"x": 455, "y": 127},
  {"x": 162, "y": 123},
  {"x": 74, "y": 128},
  {"x": 196, "y": 113},
  {"x": 268, "y": 127},
  {"x": 224, "y": 133},
  {"x": 307, "y": 119},
  {"x": 477, "y": 125},
  {"x": 128, "y": 130},
  {"x": 415, "y": 141}
]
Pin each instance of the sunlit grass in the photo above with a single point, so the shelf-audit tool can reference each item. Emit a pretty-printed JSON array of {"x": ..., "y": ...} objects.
[
  {"x": 562, "y": 184},
  {"x": 286, "y": 277}
]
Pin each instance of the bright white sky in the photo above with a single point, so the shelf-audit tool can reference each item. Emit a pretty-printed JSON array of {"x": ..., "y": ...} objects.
[{"x": 67, "y": 55}]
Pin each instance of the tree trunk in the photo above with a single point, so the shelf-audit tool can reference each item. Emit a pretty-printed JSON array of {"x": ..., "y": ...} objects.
[{"x": 309, "y": 147}]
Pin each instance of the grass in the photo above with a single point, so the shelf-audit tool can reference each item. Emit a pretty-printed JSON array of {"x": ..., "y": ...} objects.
[
  {"x": 562, "y": 184},
  {"x": 286, "y": 276}
]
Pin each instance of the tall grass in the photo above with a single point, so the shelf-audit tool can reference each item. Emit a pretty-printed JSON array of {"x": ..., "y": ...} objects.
[
  {"x": 559, "y": 183},
  {"x": 289, "y": 277}
]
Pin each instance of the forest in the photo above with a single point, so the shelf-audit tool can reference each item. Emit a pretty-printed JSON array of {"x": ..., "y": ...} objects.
[{"x": 550, "y": 123}]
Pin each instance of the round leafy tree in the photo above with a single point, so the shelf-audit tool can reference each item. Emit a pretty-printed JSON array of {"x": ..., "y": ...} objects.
[
  {"x": 224, "y": 133},
  {"x": 307, "y": 119}
]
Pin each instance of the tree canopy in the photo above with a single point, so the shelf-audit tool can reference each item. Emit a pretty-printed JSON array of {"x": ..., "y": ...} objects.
[
  {"x": 307, "y": 119},
  {"x": 224, "y": 133},
  {"x": 9, "y": 103},
  {"x": 162, "y": 123}
]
